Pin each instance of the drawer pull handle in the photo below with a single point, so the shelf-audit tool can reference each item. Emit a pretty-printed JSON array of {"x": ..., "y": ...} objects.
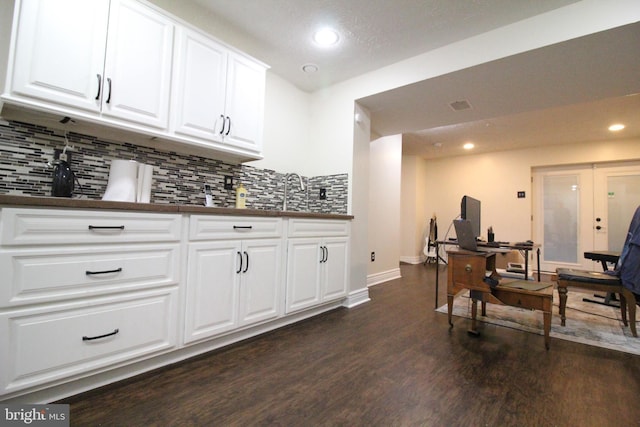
[
  {"x": 106, "y": 227},
  {"x": 242, "y": 227},
  {"x": 468, "y": 268},
  {"x": 90, "y": 273},
  {"x": 85, "y": 338}
]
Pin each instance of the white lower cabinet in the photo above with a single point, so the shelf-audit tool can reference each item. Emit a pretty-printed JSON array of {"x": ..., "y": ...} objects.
[
  {"x": 232, "y": 283},
  {"x": 88, "y": 291},
  {"x": 84, "y": 291},
  {"x": 317, "y": 267},
  {"x": 41, "y": 344}
]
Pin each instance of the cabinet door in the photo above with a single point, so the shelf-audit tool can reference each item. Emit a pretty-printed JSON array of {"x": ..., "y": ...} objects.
[
  {"x": 59, "y": 52},
  {"x": 303, "y": 274},
  {"x": 199, "y": 82},
  {"x": 212, "y": 289},
  {"x": 245, "y": 103},
  {"x": 138, "y": 64},
  {"x": 260, "y": 280},
  {"x": 336, "y": 270}
]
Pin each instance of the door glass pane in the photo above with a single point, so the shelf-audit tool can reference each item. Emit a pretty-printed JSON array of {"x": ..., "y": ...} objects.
[
  {"x": 623, "y": 197},
  {"x": 560, "y": 204}
]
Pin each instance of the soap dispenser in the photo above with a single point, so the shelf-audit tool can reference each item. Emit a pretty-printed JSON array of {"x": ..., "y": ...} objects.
[{"x": 241, "y": 197}]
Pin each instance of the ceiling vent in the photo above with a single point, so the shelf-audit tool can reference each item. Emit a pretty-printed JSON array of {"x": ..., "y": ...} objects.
[{"x": 460, "y": 105}]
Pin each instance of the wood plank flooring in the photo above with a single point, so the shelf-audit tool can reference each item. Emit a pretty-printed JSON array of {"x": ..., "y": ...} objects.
[{"x": 391, "y": 362}]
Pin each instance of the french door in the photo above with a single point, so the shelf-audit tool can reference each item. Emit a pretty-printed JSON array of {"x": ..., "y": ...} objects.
[{"x": 583, "y": 208}]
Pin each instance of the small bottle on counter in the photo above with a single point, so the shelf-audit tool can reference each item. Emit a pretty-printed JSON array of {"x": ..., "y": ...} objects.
[{"x": 241, "y": 197}]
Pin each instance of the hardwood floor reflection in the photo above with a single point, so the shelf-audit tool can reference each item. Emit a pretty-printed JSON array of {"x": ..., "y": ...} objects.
[{"x": 391, "y": 362}]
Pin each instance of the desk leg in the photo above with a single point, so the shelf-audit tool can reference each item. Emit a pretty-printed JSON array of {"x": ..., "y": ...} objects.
[
  {"x": 474, "y": 314},
  {"x": 538, "y": 262},
  {"x": 450, "y": 308},
  {"x": 547, "y": 328},
  {"x": 437, "y": 277},
  {"x": 562, "y": 292}
]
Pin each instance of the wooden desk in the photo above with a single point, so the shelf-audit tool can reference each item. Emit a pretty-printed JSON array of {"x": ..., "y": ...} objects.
[
  {"x": 514, "y": 246},
  {"x": 467, "y": 270}
]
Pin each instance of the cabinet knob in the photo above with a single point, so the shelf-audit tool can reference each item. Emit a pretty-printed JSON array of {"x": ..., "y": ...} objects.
[{"x": 468, "y": 268}]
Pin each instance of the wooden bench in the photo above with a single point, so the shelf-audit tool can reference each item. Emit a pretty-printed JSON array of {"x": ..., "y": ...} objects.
[{"x": 596, "y": 281}]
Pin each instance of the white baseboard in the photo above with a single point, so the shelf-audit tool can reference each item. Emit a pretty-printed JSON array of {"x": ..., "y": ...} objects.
[
  {"x": 412, "y": 259},
  {"x": 385, "y": 276},
  {"x": 358, "y": 297}
]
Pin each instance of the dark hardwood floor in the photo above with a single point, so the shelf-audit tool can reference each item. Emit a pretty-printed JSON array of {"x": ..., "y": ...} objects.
[{"x": 391, "y": 362}]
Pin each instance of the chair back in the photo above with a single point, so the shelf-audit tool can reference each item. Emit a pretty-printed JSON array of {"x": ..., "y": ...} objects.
[{"x": 628, "y": 267}]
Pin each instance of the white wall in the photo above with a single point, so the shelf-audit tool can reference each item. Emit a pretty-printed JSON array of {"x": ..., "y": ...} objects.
[
  {"x": 286, "y": 129},
  {"x": 414, "y": 218},
  {"x": 496, "y": 178},
  {"x": 384, "y": 208}
]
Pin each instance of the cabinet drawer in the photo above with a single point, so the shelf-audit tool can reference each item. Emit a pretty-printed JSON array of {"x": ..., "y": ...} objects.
[
  {"x": 541, "y": 301},
  {"x": 50, "y": 274},
  {"x": 43, "y": 227},
  {"x": 317, "y": 227},
  {"x": 469, "y": 270},
  {"x": 208, "y": 227},
  {"x": 54, "y": 342}
]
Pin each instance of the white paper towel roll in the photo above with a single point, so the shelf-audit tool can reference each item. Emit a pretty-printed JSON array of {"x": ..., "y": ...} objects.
[
  {"x": 122, "y": 185},
  {"x": 145, "y": 177}
]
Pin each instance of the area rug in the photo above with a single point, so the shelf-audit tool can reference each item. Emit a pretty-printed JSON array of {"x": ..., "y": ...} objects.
[{"x": 587, "y": 323}]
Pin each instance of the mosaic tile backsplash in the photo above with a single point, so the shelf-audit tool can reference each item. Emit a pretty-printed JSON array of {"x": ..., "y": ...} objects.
[{"x": 26, "y": 150}]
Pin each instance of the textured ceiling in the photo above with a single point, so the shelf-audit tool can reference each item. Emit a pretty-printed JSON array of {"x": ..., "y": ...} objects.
[
  {"x": 561, "y": 94},
  {"x": 374, "y": 33}
]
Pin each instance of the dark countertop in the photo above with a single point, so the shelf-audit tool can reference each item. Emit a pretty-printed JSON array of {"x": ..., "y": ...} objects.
[{"x": 61, "y": 202}]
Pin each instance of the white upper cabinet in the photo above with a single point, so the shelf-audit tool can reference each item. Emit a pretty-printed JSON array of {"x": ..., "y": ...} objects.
[
  {"x": 137, "y": 76},
  {"x": 128, "y": 65},
  {"x": 59, "y": 51},
  {"x": 199, "y": 85},
  {"x": 244, "y": 103},
  {"x": 66, "y": 54},
  {"x": 219, "y": 94}
]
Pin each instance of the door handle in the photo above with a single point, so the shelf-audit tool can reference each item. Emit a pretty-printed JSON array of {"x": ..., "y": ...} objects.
[
  {"x": 109, "y": 96},
  {"x": 99, "y": 86},
  {"x": 240, "y": 268},
  {"x": 223, "y": 123},
  {"x": 247, "y": 266}
]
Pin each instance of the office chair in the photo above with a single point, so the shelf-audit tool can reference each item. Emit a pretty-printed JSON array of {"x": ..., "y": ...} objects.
[{"x": 624, "y": 280}]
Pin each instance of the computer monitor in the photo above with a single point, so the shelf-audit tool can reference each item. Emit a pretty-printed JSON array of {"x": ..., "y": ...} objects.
[{"x": 470, "y": 210}]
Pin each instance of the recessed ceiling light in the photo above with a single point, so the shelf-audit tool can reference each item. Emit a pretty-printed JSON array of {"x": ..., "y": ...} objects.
[
  {"x": 468, "y": 146},
  {"x": 309, "y": 68},
  {"x": 326, "y": 37},
  {"x": 616, "y": 127}
]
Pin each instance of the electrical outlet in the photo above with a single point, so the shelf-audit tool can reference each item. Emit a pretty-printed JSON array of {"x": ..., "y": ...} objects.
[
  {"x": 228, "y": 182},
  {"x": 323, "y": 194},
  {"x": 373, "y": 256}
]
